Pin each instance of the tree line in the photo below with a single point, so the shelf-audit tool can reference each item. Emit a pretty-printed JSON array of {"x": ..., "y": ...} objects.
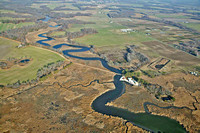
[
  {"x": 72, "y": 35},
  {"x": 192, "y": 51},
  {"x": 65, "y": 23},
  {"x": 20, "y": 33},
  {"x": 41, "y": 73},
  {"x": 16, "y": 21},
  {"x": 133, "y": 54},
  {"x": 70, "y": 15},
  {"x": 145, "y": 17},
  {"x": 155, "y": 89},
  {"x": 11, "y": 15},
  {"x": 49, "y": 68}
]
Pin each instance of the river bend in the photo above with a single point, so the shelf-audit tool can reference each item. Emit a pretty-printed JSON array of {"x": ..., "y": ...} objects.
[{"x": 147, "y": 121}]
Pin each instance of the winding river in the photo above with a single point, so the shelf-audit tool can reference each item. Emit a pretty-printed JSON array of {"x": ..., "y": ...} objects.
[{"x": 147, "y": 121}]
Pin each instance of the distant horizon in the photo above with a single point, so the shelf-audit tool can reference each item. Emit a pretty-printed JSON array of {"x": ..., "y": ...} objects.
[{"x": 190, "y": 2}]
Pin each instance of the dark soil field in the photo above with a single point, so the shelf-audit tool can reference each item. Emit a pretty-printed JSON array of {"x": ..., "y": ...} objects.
[{"x": 182, "y": 58}]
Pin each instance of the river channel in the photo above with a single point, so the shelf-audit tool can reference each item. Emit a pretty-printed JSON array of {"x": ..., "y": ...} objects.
[{"x": 147, "y": 121}]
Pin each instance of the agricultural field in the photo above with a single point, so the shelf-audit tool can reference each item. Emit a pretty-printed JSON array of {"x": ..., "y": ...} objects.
[
  {"x": 6, "y": 21},
  {"x": 109, "y": 32},
  {"x": 193, "y": 11},
  {"x": 57, "y": 33},
  {"x": 52, "y": 5},
  {"x": 7, "y": 11},
  {"x": 13, "y": 12},
  {"x": 9, "y": 18},
  {"x": 40, "y": 58},
  {"x": 195, "y": 26},
  {"x": 112, "y": 37},
  {"x": 8, "y": 26},
  {"x": 177, "y": 16},
  {"x": 153, "y": 45}
]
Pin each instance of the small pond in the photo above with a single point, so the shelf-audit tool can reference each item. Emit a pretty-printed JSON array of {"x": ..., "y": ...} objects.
[
  {"x": 24, "y": 61},
  {"x": 167, "y": 98}
]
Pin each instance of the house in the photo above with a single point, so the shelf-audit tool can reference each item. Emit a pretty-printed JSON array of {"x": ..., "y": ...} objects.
[
  {"x": 19, "y": 46},
  {"x": 126, "y": 30}
]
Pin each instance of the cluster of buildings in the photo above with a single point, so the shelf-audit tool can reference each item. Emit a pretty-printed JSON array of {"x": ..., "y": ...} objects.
[
  {"x": 129, "y": 80},
  {"x": 21, "y": 45},
  {"x": 126, "y": 30},
  {"x": 194, "y": 73}
]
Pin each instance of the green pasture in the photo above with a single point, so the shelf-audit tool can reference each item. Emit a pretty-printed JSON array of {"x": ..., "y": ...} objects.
[
  {"x": 58, "y": 33},
  {"x": 107, "y": 37},
  {"x": 171, "y": 16},
  {"x": 40, "y": 58},
  {"x": 53, "y": 4},
  {"x": 10, "y": 18},
  {"x": 193, "y": 11},
  {"x": 7, "y": 26},
  {"x": 195, "y": 26},
  {"x": 6, "y": 11},
  {"x": 110, "y": 34}
]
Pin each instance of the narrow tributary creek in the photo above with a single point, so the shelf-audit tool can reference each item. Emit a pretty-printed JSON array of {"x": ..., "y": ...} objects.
[{"x": 147, "y": 121}]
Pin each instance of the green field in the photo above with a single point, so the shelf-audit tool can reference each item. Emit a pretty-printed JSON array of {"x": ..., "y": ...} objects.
[
  {"x": 109, "y": 34},
  {"x": 9, "y": 18},
  {"x": 106, "y": 37},
  {"x": 171, "y": 16},
  {"x": 195, "y": 26},
  {"x": 53, "y": 4},
  {"x": 40, "y": 58},
  {"x": 6, "y": 11},
  {"x": 7, "y": 26},
  {"x": 193, "y": 11},
  {"x": 13, "y": 12},
  {"x": 58, "y": 33},
  {"x": 77, "y": 27}
]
